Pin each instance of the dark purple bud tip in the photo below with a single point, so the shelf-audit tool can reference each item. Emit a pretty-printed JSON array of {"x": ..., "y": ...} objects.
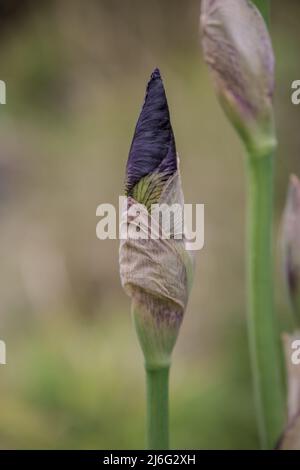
[
  {"x": 153, "y": 145},
  {"x": 155, "y": 74}
]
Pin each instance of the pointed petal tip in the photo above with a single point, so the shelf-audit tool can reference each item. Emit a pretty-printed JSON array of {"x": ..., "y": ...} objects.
[
  {"x": 155, "y": 74},
  {"x": 155, "y": 87}
]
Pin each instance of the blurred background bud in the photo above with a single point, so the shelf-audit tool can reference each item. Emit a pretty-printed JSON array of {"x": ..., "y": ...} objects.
[
  {"x": 155, "y": 273},
  {"x": 291, "y": 244},
  {"x": 290, "y": 439},
  {"x": 238, "y": 50}
]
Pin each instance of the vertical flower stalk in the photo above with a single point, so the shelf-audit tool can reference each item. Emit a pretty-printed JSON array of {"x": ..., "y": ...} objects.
[
  {"x": 238, "y": 50},
  {"x": 155, "y": 265}
]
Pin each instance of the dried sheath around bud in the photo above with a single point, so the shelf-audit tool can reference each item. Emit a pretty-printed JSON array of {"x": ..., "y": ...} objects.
[
  {"x": 291, "y": 244},
  {"x": 155, "y": 270},
  {"x": 238, "y": 50}
]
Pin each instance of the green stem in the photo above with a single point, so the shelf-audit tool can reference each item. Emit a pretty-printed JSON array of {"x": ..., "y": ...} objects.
[
  {"x": 263, "y": 334},
  {"x": 265, "y": 7},
  {"x": 157, "y": 408}
]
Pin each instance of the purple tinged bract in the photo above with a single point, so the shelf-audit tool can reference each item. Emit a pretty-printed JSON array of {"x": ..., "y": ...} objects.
[{"x": 291, "y": 244}]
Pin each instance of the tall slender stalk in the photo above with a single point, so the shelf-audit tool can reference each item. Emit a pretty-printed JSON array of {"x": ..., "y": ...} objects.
[
  {"x": 157, "y": 408},
  {"x": 157, "y": 367},
  {"x": 264, "y": 341},
  {"x": 262, "y": 328}
]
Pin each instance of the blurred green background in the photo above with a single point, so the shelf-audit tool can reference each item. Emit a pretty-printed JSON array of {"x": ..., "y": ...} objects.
[{"x": 76, "y": 73}]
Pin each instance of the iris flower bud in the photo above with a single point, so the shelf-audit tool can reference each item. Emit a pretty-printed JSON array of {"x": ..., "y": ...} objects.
[
  {"x": 238, "y": 51},
  {"x": 155, "y": 271},
  {"x": 291, "y": 244}
]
